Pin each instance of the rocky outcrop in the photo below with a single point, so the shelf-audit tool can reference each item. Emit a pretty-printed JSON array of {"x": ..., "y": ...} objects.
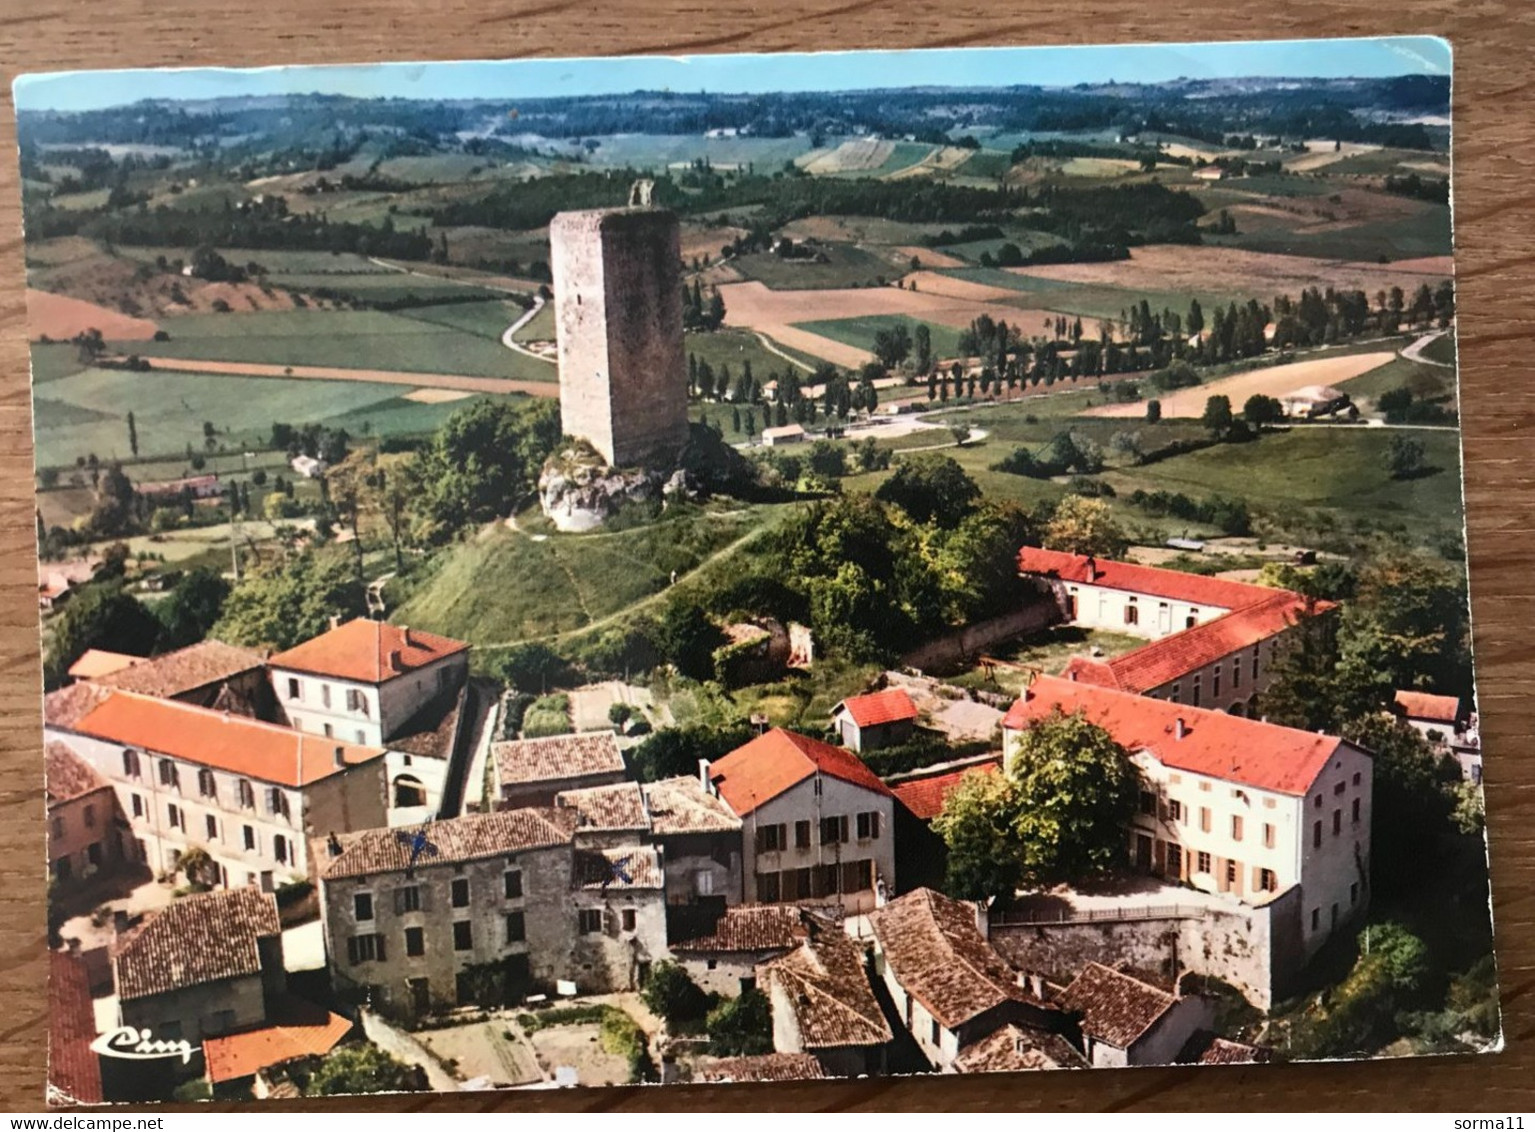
[{"x": 579, "y": 492}]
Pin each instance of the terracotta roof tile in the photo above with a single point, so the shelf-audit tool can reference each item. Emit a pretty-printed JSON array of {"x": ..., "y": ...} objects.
[
  {"x": 826, "y": 986},
  {"x": 682, "y": 805},
  {"x": 925, "y": 795},
  {"x": 1228, "y": 747},
  {"x": 467, "y": 838},
  {"x": 620, "y": 806},
  {"x": 185, "y": 670},
  {"x": 369, "y": 652},
  {"x": 780, "y": 760},
  {"x": 888, "y": 706},
  {"x": 263, "y": 751},
  {"x": 627, "y": 867},
  {"x": 763, "y": 1067},
  {"x": 74, "y": 1070},
  {"x": 100, "y": 662},
  {"x": 429, "y": 733},
  {"x": 934, "y": 950},
  {"x": 67, "y": 706},
  {"x": 753, "y": 927},
  {"x": 298, "y": 1029},
  {"x": 1428, "y": 707},
  {"x": 198, "y": 939},
  {"x": 1015, "y": 1049},
  {"x": 66, "y": 775},
  {"x": 1205, "y": 1048},
  {"x": 1116, "y": 1009},
  {"x": 1177, "y": 585},
  {"x": 557, "y": 757}
]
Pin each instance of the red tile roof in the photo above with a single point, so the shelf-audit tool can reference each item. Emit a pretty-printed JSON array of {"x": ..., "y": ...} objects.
[
  {"x": 1425, "y": 706},
  {"x": 557, "y": 758},
  {"x": 682, "y": 805},
  {"x": 74, "y": 1071},
  {"x": 934, "y": 950},
  {"x": 210, "y": 738},
  {"x": 298, "y": 1029},
  {"x": 925, "y": 797},
  {"x": 1228, "y": 747},
  {"x": 780, "y": 760},
  {"x": 369, "y": 652},
  {"x": 67, "y": 706},
  {"x": 100, "y": 662},
  {"x": 66, "y": 775},
  {"x": 1014, "y": 1049},
  {"x": 1177, "y": 585},
  {"x": 620, "y": 806},
  {"x": 753, "y": 927},
  {"x": 1116, "y": 1009},
  {"x": 761, "y": 1067},
  {"x": 185, "y": 670},
  {"x": 1162, "y": 661},
  {"x": 888, "y": 706},
  {"x": 626, "y": 868},
  {"x": 198, "y": 939},
  {"x": 451, "y": 841},
  {"x": 826, "y": 986}
]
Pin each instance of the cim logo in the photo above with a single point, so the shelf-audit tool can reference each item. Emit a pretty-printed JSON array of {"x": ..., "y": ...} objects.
[{"x": 131, "y": 1044}]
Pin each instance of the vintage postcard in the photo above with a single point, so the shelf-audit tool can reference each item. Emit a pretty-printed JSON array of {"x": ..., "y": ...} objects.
[{"x": 751, "y": 568}]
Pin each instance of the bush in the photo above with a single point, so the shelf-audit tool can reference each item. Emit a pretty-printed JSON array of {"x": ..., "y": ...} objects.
[
  {"x": 671, "y": 994},
  {"x": 741, "y": 1027},
  {"x": 547, "y": 715}
]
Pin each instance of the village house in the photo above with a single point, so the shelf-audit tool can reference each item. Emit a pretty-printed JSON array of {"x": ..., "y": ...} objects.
[
  {"x": 700, "y": 843},
  {"x": 373, "y": 683},
  {"x": 949, "y": 987},
  {"x": 509, "y": 891},
  {"x": 74, "y": 1069},
  {"x": 86, "y": 832},
  {"x": 190, "y": 487},
  {"x": 1232, "y": 806},
  {"x": 816, "y": 822},
  {"x": 1126, "y": 1021},
  {"x": 783, "y": 434},
  {"x": 206, "y": 674},
  {"x": 250, "y": 793},
  {"x": 1439, "y": 720},
  {"x": 531, "y": 772},
  {"x": 205, "y": 965},
  {"x": 250, "y": 1060},
  {"x": 878, "y": 719},
  {"x": 823, "y": 1005},
  {"x": 1213, "y": 642},
  {"x": 100, "y": 662},
  {"x": 725, "y": 960},
  {"x": 764, "y": 1067},
  {"x": 1019, "y": 1049},
  {"x": 1312, "y": 401}
]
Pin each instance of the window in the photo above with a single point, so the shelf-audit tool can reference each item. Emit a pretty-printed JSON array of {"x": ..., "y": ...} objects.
[
  {"x": 1236, "y": 674},
  {"x": 131, "y": 764},
  {"x": 1177, "y": 692},
  {"x": 1353, "y": 894},
  {"x": 802, "y": 835},
  {"x": 1204, "y": 824},
  {"x": 1357, "y": 778},
  {"x": 1202, "y": 862},
  {"x": 330, "y": 732},
  {"x": 90, "y": 817},
  {"x": 1255, "y": 664},
  {"x": 276, "y": 801},
  {"x": 818, "y": 786},
  {"x": 857, "y": 876},
  {"x": 1355, "y": 811},
  {"x": 868, "y": 825},
  {"x": 1316, "y": 918},
  {"x": 463, "y": 935},
  {"x": 325, "y": 695},
  {"x": 356, "y": 701},
  {"x": 1195, "y": 700},
  {"x": 206, "y": 786},
  {"x": 93, "y": 853},
  {"x": 1339, "y": 788},
  {"x": 1231, "y": 875},
  {"x": 280, "y": 847},
  {"x": 834, "y": 829},
  {"x": 627, "y": 919},
  {"x": 250, "y": 837},
  {"x": 138, "y": 806},
  {"x": 365, "y": 948},
  {"x": 511, "y": 884},
  {"x": 1268, "y": 835},
  {"x": 173, "y": 814},
  {"x": 362, "y": 741},
  {"x": 516, "y": 927},
  {"x": 294, "y": 691},
  {"x": 1267, "y": 881},
  {"x": 415, "y": 942},
  {"x": 1316, "y": 835},
  {"x": 934, "y": 1032},
  {"x": 1191, "y": 620},
  {"x": 211, "y": 823},
  {"x": 1215, "y": 681},
  {"x": 1337, "y": 822},
  {"x": 247, "y": 794},
  {"x": 1148, "y": 803},
  {"x": 770, "y": 838},
  {"x": 1132, "y": 613},
  {"x": 362, "y": 905},
  {"x": 1317, "y": 801},
  {"x": 58, "y": 826},
  {"x": 1174, "y": 810},
  {"x": 169, "y": 775},
  {"x": 767, "y": 888},
  {"x": 1174, "y": 859},
  {"x": 1236, "y": 827},
  {"x": 589, "y": 920},
  {"x": 461, "y": 892}
]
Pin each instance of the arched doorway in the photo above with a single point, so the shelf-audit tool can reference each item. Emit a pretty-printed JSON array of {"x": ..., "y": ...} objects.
[{"x": 409, "y": 791}]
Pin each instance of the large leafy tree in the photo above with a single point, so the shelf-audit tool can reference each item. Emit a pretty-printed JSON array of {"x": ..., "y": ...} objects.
[
  {"x": 675, "y": 751},
  {"x": 1413, "y": 800},
  {"x": 931, "y": 487},
  {"x": 192, "y": 607},
  {"x": 1081, "y": 525},
  {"x": 687, "y": 639},
  {"x": 741, "y": 1027},
  {"x": 101, "y": 616},
  {"x": 360, "y": 1069},
  {"x": 1409, "y": 622},
  {"x": 292, "y": 601},
  {"x": 976, "y": 826}
]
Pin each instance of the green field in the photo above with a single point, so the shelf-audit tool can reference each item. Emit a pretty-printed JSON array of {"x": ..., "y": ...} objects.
[
  {"x": 504, "y": 586},
  {"x": 1424, "y": 233},
  {"x": 1026, "y": 239},
  {"x": 847, "y": 266},
  {"x": 87, "y": 412},
  {"x": 53, "y": 360},
  {"x": 380, "y": 287},
  {"x": 352, "y": 339},
  {"x": 655, "y": 151},
  {"x": 280, "y": 261},
  {"x": 860, "y": 331},
  {"x": 486, "y": 319},
  {"x": 1425, "y": 382},
  {"x": 998, "y": 277},
  {"x": 539, "y": 329},
  {"x": 1442, "y": 349},
  {"x": 733, "y": 347},
  {"x": 986, "y": 163}
]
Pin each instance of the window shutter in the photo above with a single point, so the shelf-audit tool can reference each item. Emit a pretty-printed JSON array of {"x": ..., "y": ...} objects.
[
  {"x": 351, "y": 950},
  {"x": 380, "y": 943},
  {"x": 426, "y": 897}
]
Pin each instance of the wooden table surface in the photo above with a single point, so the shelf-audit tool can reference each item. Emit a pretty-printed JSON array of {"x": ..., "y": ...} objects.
[{"x": 1495, "y": 247}]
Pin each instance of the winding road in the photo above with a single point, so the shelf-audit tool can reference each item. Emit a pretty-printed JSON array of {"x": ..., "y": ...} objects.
[{"x": 1414, "y": 353}]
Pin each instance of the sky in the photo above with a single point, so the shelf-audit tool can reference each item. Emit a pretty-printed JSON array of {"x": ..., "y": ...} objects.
[{"x": 728, "y": 74}]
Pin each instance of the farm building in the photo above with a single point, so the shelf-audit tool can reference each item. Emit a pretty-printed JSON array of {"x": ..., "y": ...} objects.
[
  {"x": 784, "y": 434},
  {"x": 1126, "y": 1021},
  {"x": 307, "y": 466},
  {"x": 198, "y": 487},
  {"x": 1313, "y": 401},
  {"x": 1440, "y": 720},
  {"x": 879, "y": 719}
]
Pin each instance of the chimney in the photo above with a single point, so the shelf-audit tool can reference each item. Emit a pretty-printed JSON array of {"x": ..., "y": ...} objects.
[
  {"x": 1179, "y": 730},
  {"x": 335, "y": 620},
  {"x": 405, "y": 635},
  {"x": 333, "y": 845},
  {"x": 1071, "y": 674},
  {"x": 394, "y": 660},
  {"x": 1092, "y": 568},
  {"x": 340, "y": 755},
  {"x": 982, "y": 919},
  {"x": 703, "y": 776},
  {"x": 119, "y": 920},
  {"x": 1033, "y": 983}
]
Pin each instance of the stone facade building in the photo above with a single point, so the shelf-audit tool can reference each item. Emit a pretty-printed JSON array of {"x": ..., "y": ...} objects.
[
  {"x": 86, "y": 832},
  {"x": 618, "y": 328},
  {"x": 531, "y": 772},
  {"x": 1126, "y": 1021}
]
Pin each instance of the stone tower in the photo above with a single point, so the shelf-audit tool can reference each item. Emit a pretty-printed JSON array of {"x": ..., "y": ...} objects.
[{"x": 618, "y": 325}]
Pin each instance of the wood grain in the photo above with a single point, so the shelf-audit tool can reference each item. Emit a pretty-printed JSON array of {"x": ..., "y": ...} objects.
[{"x": 1495, "y": 246}]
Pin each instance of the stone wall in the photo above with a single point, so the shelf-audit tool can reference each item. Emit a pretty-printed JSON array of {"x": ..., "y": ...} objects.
[{"x": 960, "y": 647}]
